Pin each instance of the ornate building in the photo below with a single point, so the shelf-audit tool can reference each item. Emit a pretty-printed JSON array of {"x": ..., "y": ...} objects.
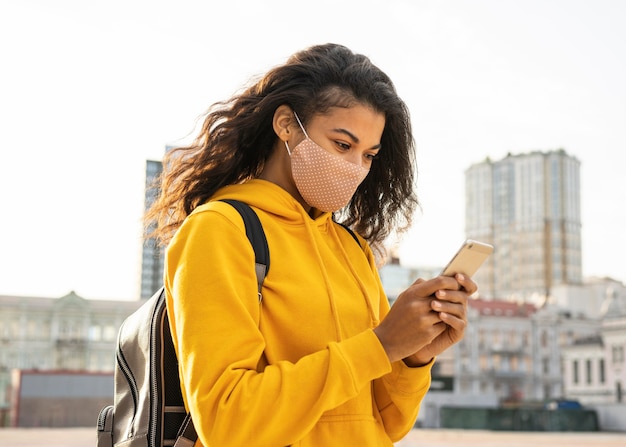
[{"x": 67, "y": 333}]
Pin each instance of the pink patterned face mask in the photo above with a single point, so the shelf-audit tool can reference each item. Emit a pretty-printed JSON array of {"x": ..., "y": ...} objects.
[{"x": 326, "y": 181}]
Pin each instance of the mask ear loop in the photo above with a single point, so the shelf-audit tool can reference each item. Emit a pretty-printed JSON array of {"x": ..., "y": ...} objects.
[{"x": 301, "y": 126}]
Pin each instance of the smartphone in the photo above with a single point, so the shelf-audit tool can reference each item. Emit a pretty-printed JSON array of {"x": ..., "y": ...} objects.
[{"x": 468, "y": 259}]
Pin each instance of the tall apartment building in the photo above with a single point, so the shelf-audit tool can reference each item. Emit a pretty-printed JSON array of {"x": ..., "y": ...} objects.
[
  {"x": 152, "y": 260},
  {"x": 528, "y": 206}
]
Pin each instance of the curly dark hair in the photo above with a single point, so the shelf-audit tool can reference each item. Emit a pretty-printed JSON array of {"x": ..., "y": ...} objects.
[{"x": 237, "y": 138}]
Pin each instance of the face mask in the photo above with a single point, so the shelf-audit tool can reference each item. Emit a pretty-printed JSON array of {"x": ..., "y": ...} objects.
[{"x": 325, "y": 181}]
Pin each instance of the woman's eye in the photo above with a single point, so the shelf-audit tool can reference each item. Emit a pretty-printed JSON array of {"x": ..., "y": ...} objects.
[
  {"x": 343, "y": 146},
  {"x": 371, "y": 157}
]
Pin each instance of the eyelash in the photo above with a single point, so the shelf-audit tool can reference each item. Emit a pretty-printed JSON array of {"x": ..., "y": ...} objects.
[
  {"x": 347, "y": 147},
  {"x": 343, "y": 146}
]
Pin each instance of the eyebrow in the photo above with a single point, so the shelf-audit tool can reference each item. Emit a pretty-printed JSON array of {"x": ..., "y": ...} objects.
[{"x": 354, "y": 137}]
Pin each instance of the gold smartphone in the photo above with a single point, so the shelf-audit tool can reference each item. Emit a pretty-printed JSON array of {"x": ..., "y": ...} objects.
[{"x": 468, "y": 259}]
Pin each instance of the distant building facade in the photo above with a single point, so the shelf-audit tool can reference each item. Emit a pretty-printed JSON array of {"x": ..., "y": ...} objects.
[
  {"x": 513, "y": 350},
  {"x": 528, "y": 207},
  {"x": 69, "y": 333},
  {"x": 595, "y": 367}
]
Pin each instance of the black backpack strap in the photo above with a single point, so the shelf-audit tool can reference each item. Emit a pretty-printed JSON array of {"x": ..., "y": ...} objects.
[
  {"x": 256, "y": 235},
  {"x": 187, "y": 435}
]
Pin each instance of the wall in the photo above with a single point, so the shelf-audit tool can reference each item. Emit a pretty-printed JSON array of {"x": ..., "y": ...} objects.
[{"x": 59, "y": 398}]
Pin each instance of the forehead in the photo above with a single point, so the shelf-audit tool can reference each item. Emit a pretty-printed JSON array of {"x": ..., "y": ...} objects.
[{"x": 363, "y": 121}]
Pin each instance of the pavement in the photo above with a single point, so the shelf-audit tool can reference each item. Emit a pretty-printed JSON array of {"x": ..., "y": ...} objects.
[
  {"x": 86, "y": 437},
  {"x": 482, "y": 438}
]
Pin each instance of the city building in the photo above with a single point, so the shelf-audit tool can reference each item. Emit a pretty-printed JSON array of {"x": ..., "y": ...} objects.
[
  {"x": 595, "y": 367},
  {"x": 528, "y": 207},
  {"x": 64, "y": 334},
  {"x": 152, "y": 255},
  {"x": 152, "y": 259},
  {"x": 513, "y": 350}
]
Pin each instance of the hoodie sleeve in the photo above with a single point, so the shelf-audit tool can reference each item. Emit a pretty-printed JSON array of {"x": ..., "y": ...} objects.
[
  {"x": 214, "y": 310},
  {"x": 398, "y": 397}
]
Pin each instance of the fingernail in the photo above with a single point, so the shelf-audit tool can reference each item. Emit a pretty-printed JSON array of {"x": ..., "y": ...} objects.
[{"x": 460, "y": 277}]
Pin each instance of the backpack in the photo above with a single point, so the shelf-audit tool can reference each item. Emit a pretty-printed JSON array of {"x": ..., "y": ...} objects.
[{"x": 148, "y": 409}]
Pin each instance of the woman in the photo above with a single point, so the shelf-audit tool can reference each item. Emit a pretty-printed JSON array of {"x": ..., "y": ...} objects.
[{"x": 321, "y": 360}]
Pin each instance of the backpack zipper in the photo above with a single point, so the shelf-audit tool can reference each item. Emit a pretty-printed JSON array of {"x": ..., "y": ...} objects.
[
  {"x": 102, "y": 417},
  {"x": 123, "y": 365},
  {"x": 157, "y": 323}
]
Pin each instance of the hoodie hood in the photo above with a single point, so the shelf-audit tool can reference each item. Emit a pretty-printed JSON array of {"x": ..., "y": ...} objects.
[{"x": 272, "y": 199}]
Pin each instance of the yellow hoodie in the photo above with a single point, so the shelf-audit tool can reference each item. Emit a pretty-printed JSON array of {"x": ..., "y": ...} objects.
[{"x": 301, "y": 367}]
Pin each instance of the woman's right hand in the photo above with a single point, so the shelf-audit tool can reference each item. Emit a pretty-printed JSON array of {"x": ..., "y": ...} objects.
[{"x": 411, "y": 323}]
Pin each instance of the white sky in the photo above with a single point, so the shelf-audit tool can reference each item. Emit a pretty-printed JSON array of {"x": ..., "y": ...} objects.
[{"x": 91, "y": 89}]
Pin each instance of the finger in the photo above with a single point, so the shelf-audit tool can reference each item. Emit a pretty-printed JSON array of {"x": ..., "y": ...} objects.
[
  {"x": 452, "y": 296},
  {"x": 454, "y": 309},
  {"x": 418, "y": 281},
  {"x": 467, "y": 283},
  {"x": 428, "y": 288},
  {"x": 458, "y": 324},
  {"x": 419, "y": 289}
]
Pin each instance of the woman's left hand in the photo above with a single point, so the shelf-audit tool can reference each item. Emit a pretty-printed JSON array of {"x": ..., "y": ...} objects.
[{"x": 451, "y": 305}]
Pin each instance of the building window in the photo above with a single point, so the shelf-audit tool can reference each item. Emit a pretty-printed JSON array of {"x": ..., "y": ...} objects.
[
  {"x": 601, "y": 372},
  {"x": 526, "y": 339},
  {"x": 496, "y": 337},
  {"x": 618, "y": 355},
  {"x": 547, "y": 392},
  {"x": 588, "y": 371},
  {"x": 15, "y": 330},
  {"x": 33, "y": 329},
  {"x": 483, "y": 362},
  {"x": 544, "y": 339},
  {"x": 109, "y": 333},
  {"x": 484, "y": 387},
  {"x": 513, "y": 338},
  {"x": 95, "y": 333},
  {"x": 496, "y": 362},
  {"x": 575, "y": 377}
]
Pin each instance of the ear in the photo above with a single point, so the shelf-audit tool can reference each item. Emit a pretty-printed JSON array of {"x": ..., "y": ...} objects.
[{"x": 283, "y": 122}]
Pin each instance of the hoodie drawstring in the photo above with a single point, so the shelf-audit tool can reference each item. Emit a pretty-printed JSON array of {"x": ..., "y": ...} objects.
[
  {"x": 366, "y": 296},
  {"x": 333, "y": 305}
]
